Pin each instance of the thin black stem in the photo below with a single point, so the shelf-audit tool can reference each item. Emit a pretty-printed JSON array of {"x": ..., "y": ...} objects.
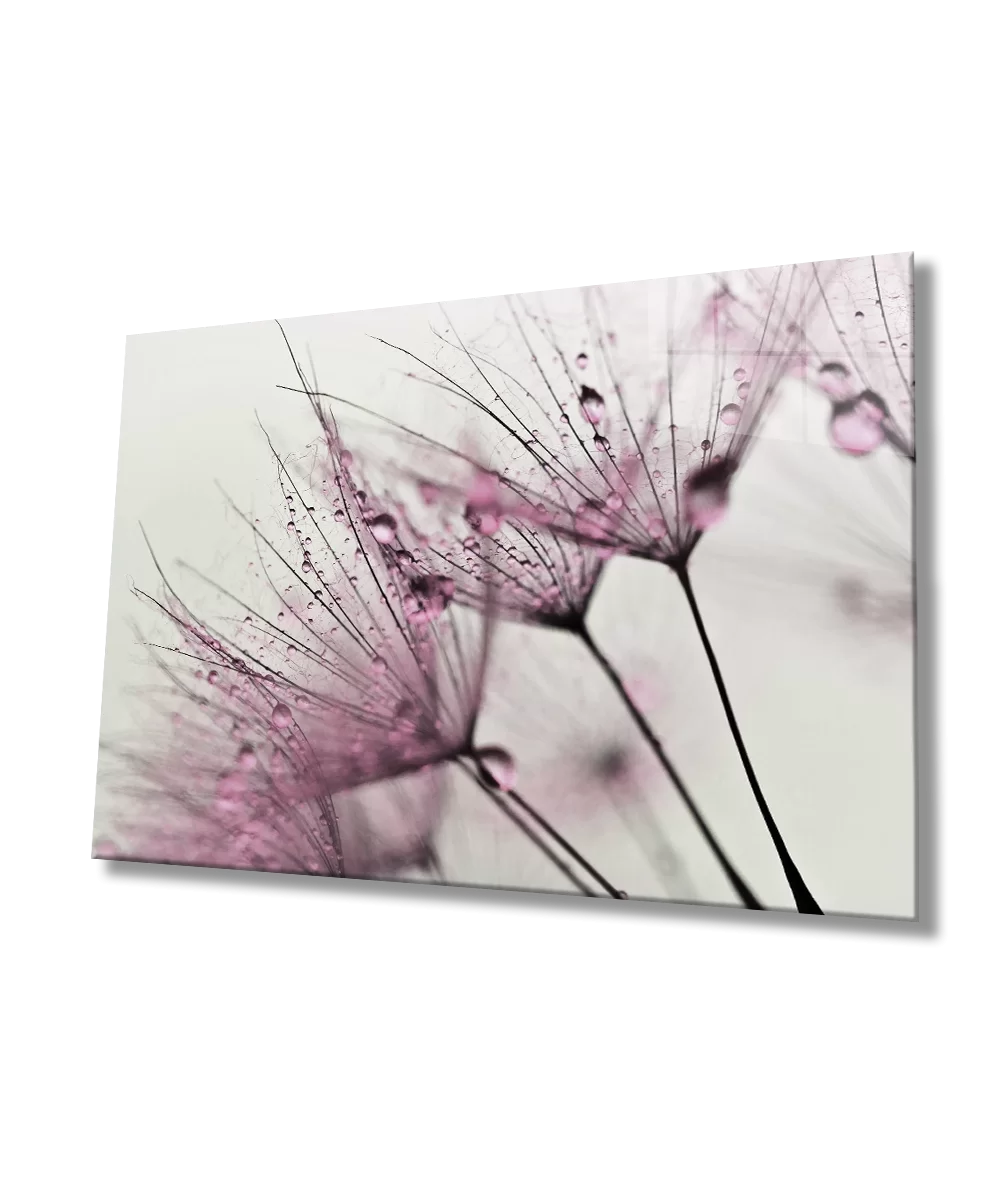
[
  {"x": 529, "y": 833},
  {"x": 740, "y": 887},
  {"x": 557, "y": 837},
  {"x": 804, "y": 900}
]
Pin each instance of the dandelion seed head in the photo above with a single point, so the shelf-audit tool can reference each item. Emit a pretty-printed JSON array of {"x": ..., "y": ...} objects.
[
  {"x": 358, "y": 685},
  {"x": 859, "y": 347},
  {"x": 686, "y": 381}
]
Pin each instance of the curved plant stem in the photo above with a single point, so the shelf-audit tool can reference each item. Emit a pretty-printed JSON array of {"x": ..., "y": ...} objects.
[
  {"x": 804, "y": 900},
  {"x": 740, "y": 887},
  {"x": 500, "y": 799}
]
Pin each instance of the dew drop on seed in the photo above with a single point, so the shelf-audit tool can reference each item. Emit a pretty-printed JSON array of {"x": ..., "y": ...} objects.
[
  {"x": 281, "y": 717},
  {"x": 730, "y": 414},
  {"x": 383, "y": 528},
  {"x": 582, "y": 360},
  {"x": 592, "y": 404},
  {"x": 213, "y": 677},
  {"x": 497, "y": 768},
  {"x": 743, "y": 391},
  {"x": 739, "y": 374},
  {"x": 859, "y": 431},
  {"x": 379, "y": 665}
]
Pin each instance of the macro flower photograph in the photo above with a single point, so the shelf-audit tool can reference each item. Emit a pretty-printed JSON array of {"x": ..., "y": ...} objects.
[{"x": 604, "y": 591}]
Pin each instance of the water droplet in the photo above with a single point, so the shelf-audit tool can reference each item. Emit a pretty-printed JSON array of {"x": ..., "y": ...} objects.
[
  {"x": 739, "y": 374},
  {"x": 429, "y": 596},
  {"x": 859, "y": 430},
  {"x": 730, "y": 414},
  {"x": 213, "y": 677},
  {"x": 383, "y": 528},
  {"x": 706, "y": 445},
  {"x": 743, "y": 391},
  {"x": 582, "y": 360},
  {"x": 497, "y": 768},
  {"x": 281, "y": 717},
  {"x": 706, "y": 494},
  {"x": 592, "y": 404},
  {"x": 246, "y": 758},
  {"x": 379, "y": 665},
  {"x": 346, "y": 458}
]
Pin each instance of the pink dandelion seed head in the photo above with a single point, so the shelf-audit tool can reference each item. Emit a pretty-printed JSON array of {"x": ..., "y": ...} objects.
[
  {"x": 504, "y": 559},
  {"x": 313, "y": 736},
  {"x": 620, "y": 463},
  {"x": 859, "y": 347}
]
